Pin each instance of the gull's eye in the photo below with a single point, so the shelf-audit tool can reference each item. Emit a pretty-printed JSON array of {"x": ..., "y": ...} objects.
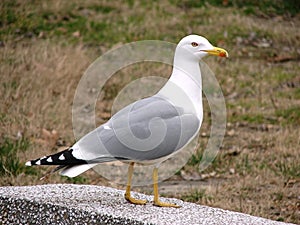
[{"x": 194, "y": 44}]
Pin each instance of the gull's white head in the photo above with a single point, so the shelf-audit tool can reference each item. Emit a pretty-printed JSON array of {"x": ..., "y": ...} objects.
[{"x": 199, "y": 47}]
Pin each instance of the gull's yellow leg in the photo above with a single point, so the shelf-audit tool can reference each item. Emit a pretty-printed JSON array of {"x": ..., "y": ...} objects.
[
  {"x": 157, "y": 202},
  {"x": 127, "y": 193}
]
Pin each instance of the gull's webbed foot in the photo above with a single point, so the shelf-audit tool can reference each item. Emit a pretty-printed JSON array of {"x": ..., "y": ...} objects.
[
  {"x": 165, "y": 204},
  {"x": 134, "y": 200}
]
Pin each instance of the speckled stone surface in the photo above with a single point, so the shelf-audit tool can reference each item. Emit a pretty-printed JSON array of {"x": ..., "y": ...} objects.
[{"x": 87, "y": 204}]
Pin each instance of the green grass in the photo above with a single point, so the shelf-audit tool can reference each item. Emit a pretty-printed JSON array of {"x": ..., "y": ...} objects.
[
  {"x": 195, "y": 158},
  {"x": 33, "y": 20},
  {"x": 101, "y": 8},
  {"x": 76, "y": 180},
  {"x": 269, "y": 7},
  {"x": 16, "y": 24},
  {"x": 290, "y": 115},
  {"x": 11, "y": 85},
  {"x": 296, "y": 93},
  {"x": 249, "y": 7},
  {"x": 249, "y": 118},
  {"x": 282, "y": 76},
  {"x": 288, "y": 169},
  {"x": 244, "y": 165},
  {"x": 196, "y": 196},
  {"x": 9, "y": 161}
]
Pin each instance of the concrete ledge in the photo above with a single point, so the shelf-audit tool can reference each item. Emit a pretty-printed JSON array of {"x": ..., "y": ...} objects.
[{"x": 87, "y": 204}]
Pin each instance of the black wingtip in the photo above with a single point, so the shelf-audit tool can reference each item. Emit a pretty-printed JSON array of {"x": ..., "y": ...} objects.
[{"x": 61, "y": 158}]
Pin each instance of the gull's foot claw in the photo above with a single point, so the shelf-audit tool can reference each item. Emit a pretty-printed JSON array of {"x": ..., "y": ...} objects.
[
  {"x": 135, "y": 201},
  {"x": 165, "y": 204}
]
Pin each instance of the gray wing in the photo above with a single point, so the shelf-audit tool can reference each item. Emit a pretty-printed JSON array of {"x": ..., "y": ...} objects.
[{"x": 148, "y": 129}]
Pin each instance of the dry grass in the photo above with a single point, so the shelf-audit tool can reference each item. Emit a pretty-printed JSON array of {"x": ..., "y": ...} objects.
[
  {"x": 257, "y": 172},
  {"x": 39, "y": 83},
  {"x": 44, "y": 57}
]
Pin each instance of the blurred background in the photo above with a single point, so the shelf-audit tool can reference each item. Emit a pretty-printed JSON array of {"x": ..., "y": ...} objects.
[{"x": 46, "y": 46}]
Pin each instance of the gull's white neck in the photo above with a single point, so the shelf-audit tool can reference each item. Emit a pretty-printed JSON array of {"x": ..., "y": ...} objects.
[{"x": 184, "y": 88}]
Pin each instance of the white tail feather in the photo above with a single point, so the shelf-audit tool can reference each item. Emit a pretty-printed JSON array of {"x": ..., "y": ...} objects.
[{"x": 76, "y": 170}]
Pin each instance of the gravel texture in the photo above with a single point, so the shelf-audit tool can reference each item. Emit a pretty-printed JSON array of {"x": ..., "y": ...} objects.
[{"x": 87, "y": 204}]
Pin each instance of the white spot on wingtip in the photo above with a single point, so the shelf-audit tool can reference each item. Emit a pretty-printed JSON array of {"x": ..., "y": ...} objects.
[
  {"x": 107, "y": 127},
  {"x": 28, "y": 163},
  {"x": 62, "y": 157},
  {"x": 38, "y": 162},
  {"x": 49, "y": 159}
]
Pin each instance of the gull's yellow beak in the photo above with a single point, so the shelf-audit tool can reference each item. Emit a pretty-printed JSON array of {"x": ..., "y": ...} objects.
[{"x": 218, "y": 52}]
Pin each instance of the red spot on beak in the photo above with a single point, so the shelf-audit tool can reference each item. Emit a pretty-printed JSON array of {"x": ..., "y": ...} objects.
[{"x": 222, "y": 54}]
